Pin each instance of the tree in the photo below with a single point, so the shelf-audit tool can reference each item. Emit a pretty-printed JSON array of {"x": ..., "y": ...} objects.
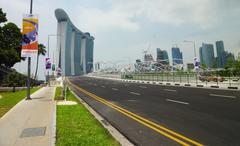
[
  {"x": 2, "y": 16},
  {"x": 10, "y": 42},
  {"x": 14, "y": 79},
  {"x": 41, "y": 51}
]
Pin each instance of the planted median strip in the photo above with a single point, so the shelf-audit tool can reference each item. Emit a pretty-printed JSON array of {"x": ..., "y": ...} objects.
[
  {"x": 9, "y": 99},
  {"x": 76, "y": 126}
]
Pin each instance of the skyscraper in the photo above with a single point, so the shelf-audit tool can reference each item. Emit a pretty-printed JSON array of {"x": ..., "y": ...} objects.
[
  {"x": 207, "y": 55},
  {"x": 220, "y": 54},
  {"x": 74, "y": 47},
  {"x": 162, "y": 56},
  {"x": 177, "y": 56}
]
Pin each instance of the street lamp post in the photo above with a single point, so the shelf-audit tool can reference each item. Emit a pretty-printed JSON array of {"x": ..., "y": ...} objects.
[
  {"x": 194, "y": 46},
  {"x": 50, "y": 35},
  {"x": 195, "y": 55},
  {"x": 29, "y": 64}
]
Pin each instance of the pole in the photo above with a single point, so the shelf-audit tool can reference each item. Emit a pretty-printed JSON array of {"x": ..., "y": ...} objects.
[
  {"x": 48, "y": 57},
  {"x": 195, "y": 55},
  {"x": 29, "y": 65}
]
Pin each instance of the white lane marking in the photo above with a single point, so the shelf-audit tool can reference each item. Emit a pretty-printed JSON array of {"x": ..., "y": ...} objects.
[
  {"x": 134, "y": 93},
  {"x": 170, "y": 90},
  {"x": 114, "y": 89},
  {"x": 227, "y": 96},
  {"x": 144, "y": 87},
  {"x": 131, "y": 100},
  {"x": 181, "y": 102},
  {"x": 103, "y": 86}
]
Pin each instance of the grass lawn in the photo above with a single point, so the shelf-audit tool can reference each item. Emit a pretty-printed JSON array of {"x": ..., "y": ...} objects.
[
  {"x": 77, "y": 127},
  {"x": 10, "y": 99},
  {"x": 58, "y": 94}
]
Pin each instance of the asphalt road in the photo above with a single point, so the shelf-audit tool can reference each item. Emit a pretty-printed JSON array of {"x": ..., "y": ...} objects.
[{"x": 155, "y": 115}]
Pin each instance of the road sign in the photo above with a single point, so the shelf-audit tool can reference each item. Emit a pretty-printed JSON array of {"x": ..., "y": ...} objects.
[
  {"x": 59, "y": 71},
  {"x": 53, "y": 67}
]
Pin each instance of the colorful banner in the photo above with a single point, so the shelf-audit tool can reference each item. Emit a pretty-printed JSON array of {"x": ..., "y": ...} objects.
[
  {"x": 30, "y": 35},
  {"x": 196, "y": 63},
  {"x": 48, "y": 63}
]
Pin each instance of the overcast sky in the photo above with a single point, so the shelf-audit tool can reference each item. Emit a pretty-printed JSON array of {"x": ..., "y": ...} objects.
[{"x": 124, "y": 28}]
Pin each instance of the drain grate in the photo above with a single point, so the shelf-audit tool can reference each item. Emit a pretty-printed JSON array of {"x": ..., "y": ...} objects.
[{"x": 32, "y": 132}]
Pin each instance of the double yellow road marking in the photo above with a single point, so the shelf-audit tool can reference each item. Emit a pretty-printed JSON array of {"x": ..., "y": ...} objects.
[{"x": 158, "y": 128}]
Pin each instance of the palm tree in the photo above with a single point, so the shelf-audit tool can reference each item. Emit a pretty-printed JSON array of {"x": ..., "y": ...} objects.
[{"x": 41, "y": 51}]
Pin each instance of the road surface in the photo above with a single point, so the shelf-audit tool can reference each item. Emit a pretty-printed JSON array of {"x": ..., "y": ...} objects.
[{"x": 155, "y": 115}]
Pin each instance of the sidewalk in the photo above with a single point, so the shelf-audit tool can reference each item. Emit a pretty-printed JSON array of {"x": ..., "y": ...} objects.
[{"x": 30, "y": 122}]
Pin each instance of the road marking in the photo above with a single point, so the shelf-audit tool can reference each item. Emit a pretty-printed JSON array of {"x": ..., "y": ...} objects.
[
  {"x": 114, "y": 89},
  {"x": 134, "y": 93},
  {"x": 144, "y": 87},
  {"x": 103, "y": 86},
  {"x": 158, "y": 128},
  {"x": 170, "y": 90},
  {"x": 131, "y": 100},
  {"x": 227, "y": 96},
  {"x": 181, "y": 102}
]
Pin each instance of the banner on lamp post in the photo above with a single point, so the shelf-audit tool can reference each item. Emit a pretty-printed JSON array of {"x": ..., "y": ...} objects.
[
  {"x": 196, "y": 64},
  {"x": 48, "y": 63},
  {"x": 30, "y": 35}
]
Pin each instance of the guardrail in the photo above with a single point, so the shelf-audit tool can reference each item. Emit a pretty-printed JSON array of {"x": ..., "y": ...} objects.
[{"x": 212, "y": 79}]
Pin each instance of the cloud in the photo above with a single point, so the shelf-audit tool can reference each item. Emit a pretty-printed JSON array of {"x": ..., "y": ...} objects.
[
  {"x": 202, "y": 13},
  {"x": 97, "y": 19}
]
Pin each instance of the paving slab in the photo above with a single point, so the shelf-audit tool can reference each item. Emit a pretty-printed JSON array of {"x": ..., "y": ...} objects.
[{"x": 30, "y": 122}]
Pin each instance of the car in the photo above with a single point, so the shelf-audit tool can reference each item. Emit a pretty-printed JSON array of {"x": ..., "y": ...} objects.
[{"x": 204, "y": 78}]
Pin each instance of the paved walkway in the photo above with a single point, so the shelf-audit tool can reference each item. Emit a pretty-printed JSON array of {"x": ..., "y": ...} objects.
[{"x": 30, "y": 122}]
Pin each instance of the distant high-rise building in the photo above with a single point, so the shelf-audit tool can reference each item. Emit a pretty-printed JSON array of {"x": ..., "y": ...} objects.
[
  {"x": 162, "y": 56},
  {"x": 148, "y": 58},
  {"x": 177, "y": 56},
  {"x": 229, "y": 57},
  {"x": 220, "y": 54},
  {"x": 207, "y": 55}
]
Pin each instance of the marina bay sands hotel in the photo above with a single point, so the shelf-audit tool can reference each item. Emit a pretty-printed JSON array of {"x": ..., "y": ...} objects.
[{"x": 74, "y": 47}]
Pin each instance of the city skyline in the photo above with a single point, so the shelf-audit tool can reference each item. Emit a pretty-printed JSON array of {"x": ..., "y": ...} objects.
[{"x": 139, "y": 25}]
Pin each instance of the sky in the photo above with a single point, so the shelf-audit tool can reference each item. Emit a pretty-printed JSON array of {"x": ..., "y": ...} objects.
[{"x": 123, "y": 29}]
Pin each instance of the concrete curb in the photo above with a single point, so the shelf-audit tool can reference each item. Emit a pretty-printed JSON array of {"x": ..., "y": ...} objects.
[
  {"x": 54, "y": 123},
  {"x": 112, "y": 130}
]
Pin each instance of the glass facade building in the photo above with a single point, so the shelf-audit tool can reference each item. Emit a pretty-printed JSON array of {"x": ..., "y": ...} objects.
[
  {"x": 207, "y": 55},
  {"x": 220, "y": 54},
  {"x": 74, "y": 47},
  {"x": 162, "y": 56},
  {"x": 177, "y": 56}
]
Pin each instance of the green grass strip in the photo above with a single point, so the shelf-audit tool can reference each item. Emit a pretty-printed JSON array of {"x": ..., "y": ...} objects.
[
  {"x": 58, "y": 94},
  {"x": 76, "y": 126},
  {"x": 10, "y": 99}
]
